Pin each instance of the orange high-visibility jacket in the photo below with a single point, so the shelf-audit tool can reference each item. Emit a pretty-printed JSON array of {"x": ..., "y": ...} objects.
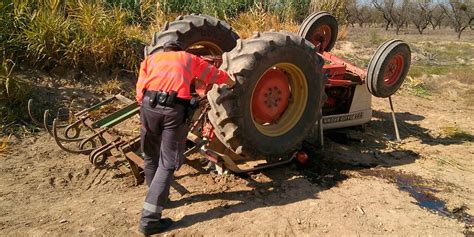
[{"x": 176, "y": 71}]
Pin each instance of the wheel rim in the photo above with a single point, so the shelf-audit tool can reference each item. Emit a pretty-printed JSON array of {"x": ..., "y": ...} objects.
[
  {"x": 321, "y": 37},
  {"x": 393, "y": 70},
  {"x": 279, "y": 99},
  {"x": 206, "y": 46}
]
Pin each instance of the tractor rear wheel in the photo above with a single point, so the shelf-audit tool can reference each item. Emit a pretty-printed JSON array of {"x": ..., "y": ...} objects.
[
  {"x": 388, "y": 68},
  {"x": 199, "y": 34},
  {"x": 320, "y": 28},
  {"x": 277, "y": 98}
]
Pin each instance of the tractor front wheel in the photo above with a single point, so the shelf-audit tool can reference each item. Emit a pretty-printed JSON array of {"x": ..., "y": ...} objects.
[
  {"x": 320, "y": 28},
  {"x": 388, "y": 68}
]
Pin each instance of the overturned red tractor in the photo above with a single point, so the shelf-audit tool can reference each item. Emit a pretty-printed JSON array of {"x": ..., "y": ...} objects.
[{"x": 289, "y": 87}]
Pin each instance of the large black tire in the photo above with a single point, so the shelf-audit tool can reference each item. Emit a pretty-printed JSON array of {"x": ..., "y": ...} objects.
[
  {"x": 192, "y": 29},
  {"x": 231, "y": 111},
  {"x": 313, "y": 23},
  {"x": 388, "y": 68}
]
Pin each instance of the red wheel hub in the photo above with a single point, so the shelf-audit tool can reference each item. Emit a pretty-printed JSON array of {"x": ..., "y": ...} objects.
[
  {"x": 270, "y": 97},
  {"x": 394, "y": 70},
  {"x": 322, "y": 37},
  {"x": 302, "y": 157}
]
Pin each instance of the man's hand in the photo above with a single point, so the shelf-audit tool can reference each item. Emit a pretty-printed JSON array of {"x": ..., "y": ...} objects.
[{"x": 230, "y": 80}]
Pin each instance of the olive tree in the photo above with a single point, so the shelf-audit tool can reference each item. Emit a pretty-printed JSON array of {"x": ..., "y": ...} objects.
[
  {"x": 420, "y": 14},
  {"x": 394, "y": 12},
  {"x": 437, "y": 16},
  {"x": 460, "y": 14}
]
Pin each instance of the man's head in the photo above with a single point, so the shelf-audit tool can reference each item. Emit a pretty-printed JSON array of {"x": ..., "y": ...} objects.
[{"x": 173, "y": 46}]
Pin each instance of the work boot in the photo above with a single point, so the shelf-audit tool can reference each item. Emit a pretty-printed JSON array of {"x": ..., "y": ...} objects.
[{"x": 161, "y": 226}]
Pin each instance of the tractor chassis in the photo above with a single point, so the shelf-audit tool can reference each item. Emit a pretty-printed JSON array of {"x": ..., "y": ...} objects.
[{"x": 101, "y": 144}]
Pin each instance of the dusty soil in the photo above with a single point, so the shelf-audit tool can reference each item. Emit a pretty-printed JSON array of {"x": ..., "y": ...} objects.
[{"x": 363, "y": 183}]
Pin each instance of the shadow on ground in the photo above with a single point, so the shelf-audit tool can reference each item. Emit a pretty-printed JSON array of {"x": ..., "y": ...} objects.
[
  {"x": 384, "y": 125},
  {"x": 350, "y": 149},
  {"x": 289, "y": 184}
]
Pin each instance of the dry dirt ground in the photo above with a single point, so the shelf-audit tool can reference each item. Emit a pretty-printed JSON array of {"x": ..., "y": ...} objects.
[{"x": 363, "y": 183}]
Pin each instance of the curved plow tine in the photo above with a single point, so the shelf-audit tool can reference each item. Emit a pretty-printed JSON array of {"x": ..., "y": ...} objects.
[
  {"x": 48, "y": 128},
  {"x": 98, "y": 156},
  {"x": 90, "y": 140},
  {"x": 45, "y": 121},
  {"x": 58, "y": 141},
  {"x": 30, "y": 113},
  {"x": 73, "y": 127}
]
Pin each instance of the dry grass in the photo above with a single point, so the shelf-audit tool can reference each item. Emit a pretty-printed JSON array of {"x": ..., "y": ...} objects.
[
  {"x": 259, "y": 20},
  {"x": 416, "y": 86},
  {"x": 455, "y": 132},
  {"x": 4, "y": 143},
  {"x": 343, "y": 32},
  {"x": 113, "y": 86}
]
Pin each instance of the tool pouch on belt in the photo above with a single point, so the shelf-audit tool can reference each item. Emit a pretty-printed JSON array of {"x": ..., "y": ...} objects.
[
  {"x": 162, "y": 97},
  {"x": 152, "y": 98},
  {"x": 171, "y": 98},
  {"x": 166, "y": 98}
]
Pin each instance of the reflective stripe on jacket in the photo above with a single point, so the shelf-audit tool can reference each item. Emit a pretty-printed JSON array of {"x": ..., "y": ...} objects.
[{"x": 176, "y": 71}]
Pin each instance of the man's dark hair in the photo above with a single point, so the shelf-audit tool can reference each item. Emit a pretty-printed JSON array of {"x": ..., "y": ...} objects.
[{"x": 173, "y": 46}]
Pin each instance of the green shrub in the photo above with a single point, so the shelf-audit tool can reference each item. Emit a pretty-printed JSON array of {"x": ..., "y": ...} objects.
[
  {"x": 47, "y": 36},
  {"x": 110, "y": 34},
  {"x": 14, "y": 94}
]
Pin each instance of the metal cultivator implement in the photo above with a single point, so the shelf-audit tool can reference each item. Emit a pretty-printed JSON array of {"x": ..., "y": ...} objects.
[{"x": 93, "y": 132}]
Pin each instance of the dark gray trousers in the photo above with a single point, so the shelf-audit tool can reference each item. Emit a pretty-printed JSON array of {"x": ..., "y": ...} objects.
[{"x": 163, "y": 138}]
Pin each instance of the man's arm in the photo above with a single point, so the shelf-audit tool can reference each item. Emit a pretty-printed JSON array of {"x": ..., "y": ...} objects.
[
  {"x": 141, "y": 81},
  {"x": 209, "y": 74}
]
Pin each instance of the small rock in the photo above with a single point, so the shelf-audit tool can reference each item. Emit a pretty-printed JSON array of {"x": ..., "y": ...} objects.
[
  {"x": 361, "y": 210},
  {"x": 63, "y": 221},
  {"x": 298, "y": 221},
  {"x": 124, "y": 209}
]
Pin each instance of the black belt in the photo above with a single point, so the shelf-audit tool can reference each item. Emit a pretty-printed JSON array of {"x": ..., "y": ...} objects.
[{"x": 169, "y": 100}]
